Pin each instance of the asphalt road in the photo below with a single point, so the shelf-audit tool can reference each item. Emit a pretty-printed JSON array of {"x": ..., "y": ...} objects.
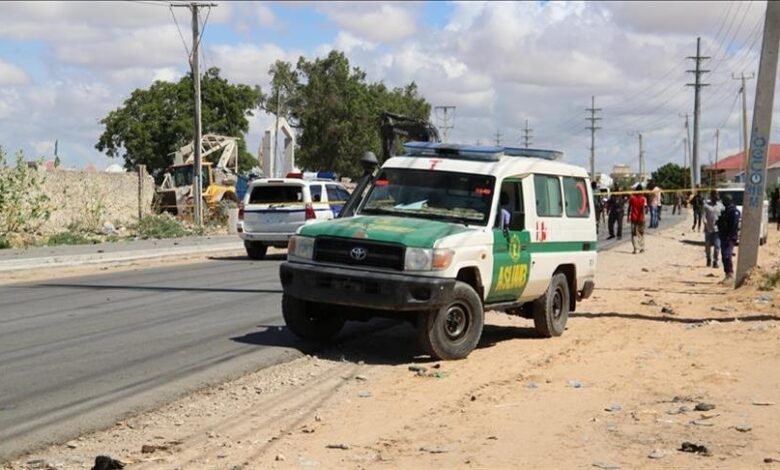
[{"x": 77, "y": 354}]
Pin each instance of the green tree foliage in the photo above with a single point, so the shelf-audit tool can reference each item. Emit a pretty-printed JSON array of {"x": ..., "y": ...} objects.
[
  {"x": 336, "y": 110},
  {"x": 153, "y": 123},
  {"x": 23, "y": 207},
  {"x": 670, "y": 176}
]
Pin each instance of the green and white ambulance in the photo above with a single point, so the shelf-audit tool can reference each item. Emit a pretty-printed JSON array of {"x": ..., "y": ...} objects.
[{"x": 444, "y": 233}]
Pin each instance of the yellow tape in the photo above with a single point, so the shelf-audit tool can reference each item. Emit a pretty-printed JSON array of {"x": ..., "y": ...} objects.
[{"x": 650, "y": 191}]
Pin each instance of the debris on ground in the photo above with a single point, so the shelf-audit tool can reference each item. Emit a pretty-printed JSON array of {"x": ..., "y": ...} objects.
[
  {"x": 743, "y": 428},
  {"x": 105, "y": 462},
  {"x": 704, "y": 407},
  {"x": 614, "y": 408},
  {"x": 693, "y": 448},
  {"x": 574, "y": 383},
  {"x": 434, "y": 450},
  {"x": 337, "y": 446},
  {"x": 656, "y": 454},
  {"x": 763, "y": 403},
  {"x": 668, "y": 310},
  {"x": 606, "y": 466}
]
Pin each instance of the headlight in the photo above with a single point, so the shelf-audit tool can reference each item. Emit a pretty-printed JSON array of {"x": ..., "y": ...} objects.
[
  {"x": 302, "y": 247},
  {"x": 425, "y": 259}
]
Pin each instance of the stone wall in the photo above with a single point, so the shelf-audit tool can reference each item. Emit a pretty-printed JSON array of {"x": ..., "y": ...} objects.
[{"x": 89, "y": 199}]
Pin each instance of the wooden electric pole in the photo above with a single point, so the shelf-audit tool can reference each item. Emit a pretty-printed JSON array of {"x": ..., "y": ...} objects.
[{"x": 755, "y": 181}]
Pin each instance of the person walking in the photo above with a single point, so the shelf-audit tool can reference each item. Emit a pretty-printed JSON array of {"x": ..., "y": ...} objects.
[
  {"x": 636, "y": 216},
  {"x": 697, "y": 204},
  {"x": 677, "y": 204},
  {"x": 712, "y": 211},
  {"x": 728, "y": 231},
  {"x": 774, "y": 205},
  {"x": 615, "y": 218}
]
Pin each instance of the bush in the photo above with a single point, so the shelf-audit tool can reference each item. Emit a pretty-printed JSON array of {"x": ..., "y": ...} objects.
[
  {"x": 769, "y": 280},
  {"x": 4, "y": 242},
  {"x": 23, "y": 208},
  {"x": 161, "y": 226},
  {"x": 69, "y": 238}
]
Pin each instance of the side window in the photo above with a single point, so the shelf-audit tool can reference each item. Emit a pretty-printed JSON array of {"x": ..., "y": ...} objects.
[
  {"x": 549, "y": 202},
  {"x": 343, "y": 194},
  {"x": 575, "y": 193},
  {"x": 510, "y": 206},
  {"x": 333, "y": 193},
  {"x": 316, "y": 192}
]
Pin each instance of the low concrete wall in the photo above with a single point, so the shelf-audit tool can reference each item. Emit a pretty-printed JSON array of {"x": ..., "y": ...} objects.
[{"x": 89, "y": 199}]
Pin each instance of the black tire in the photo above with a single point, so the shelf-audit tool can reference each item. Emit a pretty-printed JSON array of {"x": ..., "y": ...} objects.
[
  {"x": 453, "y": 331},
  {"x": 255, "y": 250},
  {"x": 551, "y": 311},
  {"x": 310, "y": 321}
]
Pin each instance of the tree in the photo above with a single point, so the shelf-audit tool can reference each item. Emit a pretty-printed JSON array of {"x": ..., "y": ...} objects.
[
  {"x": 670, "y": 176},
  {"x": 153, "y": 123},
  {"x": 336, "y": 110}
]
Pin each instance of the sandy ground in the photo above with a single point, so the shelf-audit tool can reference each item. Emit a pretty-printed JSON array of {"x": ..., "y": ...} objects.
[{"x": 617, "y": 390}]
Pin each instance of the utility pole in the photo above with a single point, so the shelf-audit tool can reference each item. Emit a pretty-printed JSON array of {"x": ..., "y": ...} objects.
[
  {"x": 743, "y": 91},
  {"x": 641, "y": 159},
  {"x": 687, "y": 150},
  {"x": 498, "y": 138},
  {"x": 593, "y": 128},
  {"x": 697, "y": 86},
  {"x": 755, "y": 181},
  {"x": 446, "y": 117},
  {"x": 527, "y": 135},
  {"x": 717, "y": 158},
  {"x": 274, "y": 173},
  {"x": 197, "y": 180}
]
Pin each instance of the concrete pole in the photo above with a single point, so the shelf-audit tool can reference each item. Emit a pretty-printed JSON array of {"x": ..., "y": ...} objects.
[
  {"x": 197, "y": 184},
  {"x": 755, "y": 181}
]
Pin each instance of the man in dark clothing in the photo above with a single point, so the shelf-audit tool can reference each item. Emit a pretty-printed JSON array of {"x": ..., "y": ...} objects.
[
  {"x": 774, "y": 206},
  {"x": 597, "y": 205},
  {"x": 615, "y": 207},
  {"x": 728, "y": 231},
  {"x": 697, "y": 203}
]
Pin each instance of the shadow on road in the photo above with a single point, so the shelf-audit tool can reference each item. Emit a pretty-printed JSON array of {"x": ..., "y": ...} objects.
[
  {"x": 692, "y": 242},
  {"x": 668, "y": 319},
  {"x": 158, "y": 288},
  {"x": 377, "y": 342},
  {"x": 276, "y": 257}
]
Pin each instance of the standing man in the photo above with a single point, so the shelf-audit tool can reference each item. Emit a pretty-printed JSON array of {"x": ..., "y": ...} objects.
[
  {"x": 697, "y": 203},
  {"x": 677, "y": 203},
  {"x": 728, "y": 230},
  {"x": 636, "y": 216},
  {"x": 712, "y": 211},
  {"x": 774, "y": 205},
  {"x": 615, "y": 207},
  {"x": 655, "y": 206}
]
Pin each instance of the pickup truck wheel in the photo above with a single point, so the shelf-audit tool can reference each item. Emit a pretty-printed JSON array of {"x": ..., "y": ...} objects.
[
  {"x": 453, "y": 331},
  {"x": 309, "y": 320},
  {"x": 551, "y": 311},
  {"x": 255, "y": 250}
]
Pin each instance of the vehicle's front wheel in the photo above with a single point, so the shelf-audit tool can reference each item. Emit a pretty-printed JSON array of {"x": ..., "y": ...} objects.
[
  {"x": 309, "y": 320},
  {"x": 453, "y": 331},
  {"x": 255, "y": 250},
  {"x": 551, "y": 311}
]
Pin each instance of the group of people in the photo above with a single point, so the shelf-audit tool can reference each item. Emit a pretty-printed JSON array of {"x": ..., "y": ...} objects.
[{"x": 719, "y": 220}]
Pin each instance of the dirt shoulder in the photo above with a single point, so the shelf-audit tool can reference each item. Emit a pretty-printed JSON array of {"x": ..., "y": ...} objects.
[{"x": 618, "y": 389}]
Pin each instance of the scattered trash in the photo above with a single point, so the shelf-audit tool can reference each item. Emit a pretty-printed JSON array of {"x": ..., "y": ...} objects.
[
  {"x": 361, "y": 377},
  {"x": 645, "y": 270},
  {"x": 434, "y": 450},
  {"x": 71, "y": 445},
  {"x": 150, "y": 448},
  {"x": 317, "y": 418},
  {"x": 105, "y": 462},
  {"x": 770, "y": 460},
  {"x": 693, "y": 448},
  {"x": 473, "y": 398},
  {"x": 108, "y": 229},
  {"x": 763, "y": 403},
  {"x": 725, "y": 308},
  {"x": 337, "y": 446},
  {"x": 683, "y": 399},
  {"x": 650, "y": 302},
  {"x": 759, "y": 327},
  {"x": 574, "y": 383},
  {"x": 701, "y": 422},
  {"x": 492, "y": 438},
  {"x": 531, "y": 385},
  {"x": 704, "y": 407},
  {"x": 743, "y": 428},
  {"x": 364, "y": 394},
  {"x": 279, "y": 457},
  {"x": 668, "y": 310},
  {"x": 418, "y": 369},
  {"x": 38, "y": 463},
  {"x": 606, "y": 466},
  {"x": 764, "y": 299},
  {"x": 656, "y": 454},
  {"x": 677, "y": 411},
  {"x": 614, "y": 408}
]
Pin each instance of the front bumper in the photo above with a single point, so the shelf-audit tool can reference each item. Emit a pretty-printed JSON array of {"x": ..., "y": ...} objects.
[{"x": 364, "y": 289}]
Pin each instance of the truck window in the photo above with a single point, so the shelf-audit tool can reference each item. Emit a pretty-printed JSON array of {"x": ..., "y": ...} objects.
[
  {"x": 316, "y": 192},
  {"x": 511, "y": 200},
  {"x": 335, "y": 194},
  {"x": 575, "y": 193},
  {"x": 548, "y": 196}
]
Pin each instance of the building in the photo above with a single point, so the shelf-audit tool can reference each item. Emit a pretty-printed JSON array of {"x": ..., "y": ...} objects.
[
  {"x": 623, "y": 172},
  {"x": 773, "y": 175},
  {"x": 732, "y": 168}
]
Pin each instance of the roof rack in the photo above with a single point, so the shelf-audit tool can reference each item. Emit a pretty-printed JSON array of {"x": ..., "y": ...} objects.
[{"x": 476, "y": 152}]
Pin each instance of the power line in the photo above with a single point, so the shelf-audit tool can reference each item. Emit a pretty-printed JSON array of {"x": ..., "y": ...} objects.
[{"x": 731, "y": 110}]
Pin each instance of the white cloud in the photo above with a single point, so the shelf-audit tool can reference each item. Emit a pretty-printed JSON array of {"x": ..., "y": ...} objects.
[
  {"x": 11, "y": 74},
  {"x": 248, "y": 63},
  {"x": 378, "y": 22},
  {"x": 265, "y": 16}
]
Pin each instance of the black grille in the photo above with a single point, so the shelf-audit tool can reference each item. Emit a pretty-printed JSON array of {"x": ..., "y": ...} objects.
[{"x": 380, "y": 255}]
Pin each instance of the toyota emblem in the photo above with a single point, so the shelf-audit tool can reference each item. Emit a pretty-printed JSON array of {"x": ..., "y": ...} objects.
[{"x": 358, "y": 253}]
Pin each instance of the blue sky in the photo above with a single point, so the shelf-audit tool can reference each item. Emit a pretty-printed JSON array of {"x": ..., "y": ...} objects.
[{"x": 63, "y": 66}]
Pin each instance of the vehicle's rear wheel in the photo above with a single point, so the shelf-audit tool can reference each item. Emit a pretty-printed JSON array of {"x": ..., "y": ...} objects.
[
  {"x": 453, "y": 331},
  {"x": 255, "y": 250},
  {"x": 551, "y": 311},
  {"x": 309, "y": 320}
]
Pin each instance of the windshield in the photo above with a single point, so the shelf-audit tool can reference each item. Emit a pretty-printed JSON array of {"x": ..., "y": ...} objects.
[
  {"x": 438, "y": 195},
  {"x": 183, "y": 176}
]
